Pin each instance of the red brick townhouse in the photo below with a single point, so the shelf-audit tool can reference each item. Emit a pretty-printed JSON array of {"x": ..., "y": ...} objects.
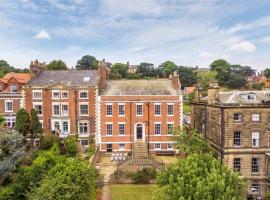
[
  {"x": 10, "y": 95},
  {"x": 140, "y": 113},
  {"x": 65, "y": 99}
]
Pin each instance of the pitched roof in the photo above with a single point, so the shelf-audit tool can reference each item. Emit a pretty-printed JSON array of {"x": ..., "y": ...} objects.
[
  {"x": 68, "y": 77},
  {"x": 140, "y": 87},
  {"x": 244, "y": 97},
  {"x": 20, "y": 77}
]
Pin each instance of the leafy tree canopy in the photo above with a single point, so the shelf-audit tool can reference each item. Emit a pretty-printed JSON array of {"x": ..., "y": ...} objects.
[
  {"x": 187, "y": 76},
  {"x": 120, "y": 68},
  {"x": 146, "y": 69},
  {"x": 267, "y": 72},
  {"x": 204, "y": 78},
  {"x": 6, "y": 68},
  {"x": 168, "y": 67},
  {"x": 87, "y": 62},
  {"x": 23, "y": 123},
  {"x": 56, "y": 65},
  {"x": 36, "y": 128}
]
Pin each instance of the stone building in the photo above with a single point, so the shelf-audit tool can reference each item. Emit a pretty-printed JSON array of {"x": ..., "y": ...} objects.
[
  {"x": 10, "y": 95},
  {"x": 139, "y": 116},
  {"x": 236, "y": 124},
  {"x": 66, "y": 100}
]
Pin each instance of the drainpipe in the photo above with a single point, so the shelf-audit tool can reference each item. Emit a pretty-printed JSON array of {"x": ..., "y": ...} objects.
[
  {"x": 222, "y": 134},
  {"x": 148, "y": 129},
  {"x": 130, "y": 126}
]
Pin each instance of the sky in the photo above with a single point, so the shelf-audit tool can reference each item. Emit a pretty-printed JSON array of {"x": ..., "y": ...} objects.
[{"x": 187, "y": 32}]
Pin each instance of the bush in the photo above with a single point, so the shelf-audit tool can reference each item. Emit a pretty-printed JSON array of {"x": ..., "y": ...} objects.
[
  {"x": 133, "y": 76},
  {"x": 71, "y": 146},
  {"x": 144, "y": 176},
  {"x": 114, "y": 76},
  {"x": 48, "y": 140}
]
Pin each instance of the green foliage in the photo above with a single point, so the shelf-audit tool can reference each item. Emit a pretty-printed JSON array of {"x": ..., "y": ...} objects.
[
  {"x": 267, "y": 72},
  {"x": 36, "y": 128},
  {"x": 191, "y": 97},
  {"x": 236, "y": 81},
  {"x": 222, "y": 67},
  {"x": 71, "y": 146},
  {"x": 204, "y": 78},
  {"x": 257, "y": 86},
  {"x": 133, "y": 76},
  {"x": 187, "y": 76},
  {"x": 70, "y": 179},
  {"x": 47, "y": 141},
  {"x": 119, "y": 69},
  {"x": 114, "y": 76},
  {"x": 168, "y": 68},
  {"x": 146, "y": 69},
  {"x": 144, "y": 176},
  {"x": 23, "y": 122},
  {"x": 2, "y": 120},
  {"x": 87, "y": 62},
  {"x": 6, "y": 68},
  {"x": 56, "y": 65},
  {"x": 186, "y": 108},
  {"x": 199, "y": 177}
]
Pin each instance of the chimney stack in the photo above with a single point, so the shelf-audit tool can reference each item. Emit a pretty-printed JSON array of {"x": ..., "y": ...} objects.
[
  {"x": 175, "y": 80},
  {"x": 36, "y": 67},
  {"x": 198, "y": 93},
  {"x": 103, "y": 74},
  {"x": 213, "y": 93}
]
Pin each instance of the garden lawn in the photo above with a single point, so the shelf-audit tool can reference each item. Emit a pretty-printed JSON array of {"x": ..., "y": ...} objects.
[{"x": 132, "y": 191}]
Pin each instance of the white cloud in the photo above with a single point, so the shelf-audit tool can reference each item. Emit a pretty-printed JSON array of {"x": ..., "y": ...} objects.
[
  {"x": 207, "y": 55},
  {"x": 42, "y": 35},
  {"x": 243, "y": 46},
  {"x": 266, "y": 39}
]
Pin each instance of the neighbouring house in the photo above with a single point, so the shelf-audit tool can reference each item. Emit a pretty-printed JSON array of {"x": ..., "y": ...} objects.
[
  {"x": 66, "y": 100},
  {"x": 236, "y": 124},
  {"x": 132, "y": 68},
  {"x": 188, "y": 90},
  {"x": 139, "y": 116},
  {"x": 11, "y": 96}
]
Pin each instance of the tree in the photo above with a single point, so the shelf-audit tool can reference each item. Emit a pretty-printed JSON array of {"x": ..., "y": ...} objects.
[
  {"x": 222, "y": 67},
  {"x": 23, "y": 123},
  {"x": 87, "y": 62},
  {"x": 199, "y": 177},
  {"x": 267, "y": 72},
  {"x": 204, "y": 78},
  {"x": 236, "y": 81},
  {"x": 187, "y": 76},
  {"x": 168, "y": 67},
  {"x": 36, "y": 128},
  {"x": 119, "y": 68},
  {"x": 2, "y": 120},
  {"x": 6, "y": 68},
  {"x": 248, "y": 71},
  {"x": 56, "y": 65},
  {"x": 146, "y": 69},
  {"x": 70, "y": 179}
]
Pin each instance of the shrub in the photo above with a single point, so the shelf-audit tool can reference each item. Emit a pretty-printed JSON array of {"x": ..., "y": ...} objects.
[
  {"x": 144, "y": 176},
  {"x": 47, "y": 141},
  {"x": 133, "y": 76},
  {"x": 71, "y": 146}
]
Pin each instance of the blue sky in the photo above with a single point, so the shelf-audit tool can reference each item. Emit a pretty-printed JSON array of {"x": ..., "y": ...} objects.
[{"x": 184, "y": 31}]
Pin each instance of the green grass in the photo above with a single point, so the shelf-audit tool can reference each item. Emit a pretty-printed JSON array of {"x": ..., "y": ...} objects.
[{"x": 132, "y": 192}]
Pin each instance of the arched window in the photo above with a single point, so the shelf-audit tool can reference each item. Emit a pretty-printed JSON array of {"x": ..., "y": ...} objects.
[{"x": 57, "y": 126}]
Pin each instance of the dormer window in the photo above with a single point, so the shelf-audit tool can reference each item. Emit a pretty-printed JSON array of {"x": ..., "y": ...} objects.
[
  {"x": 251, "y": 97},
  {"x": 13, "y": 88},
  {"x": 1, "y": 87}
]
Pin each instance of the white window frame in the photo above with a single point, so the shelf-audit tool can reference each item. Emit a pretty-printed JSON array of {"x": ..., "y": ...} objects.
[
  {"x": 256, "y": 117},
  {"x": 255, "y": 139},
  {"x": 56, "y": 104},
  {"x": 62, "y": 111},
  {"x": 170, "y": 123},
  {"x": 109, "y": 123},
  {"x": 122, "y": 123},
  {"x": 14, "y": 86},
  {"x": 155, "y": 106},
  {"x": 240, "y": 116},
  {"x": 124, "y": 106},
  {"x": 56, "y": 91},
  {"x": 170, "y": 148},
  {"x": 170, "y": 104},
  {"x": 156, "y": 146},
  {"x": 83, "y": 122},
  {"x": 139, "y": 104},
  {"x": 37, "y": 91},
  {"x": 64, "y": 91},
  {"x": 81, "y": 143},
  {"x": 84, "y": 103},
  {"x": 38, "y": 104},
  {"x": 160, "y": 128},
  {"x": 6, "y": 107},
  {"x": 107, "y": 105},
  {"x": 83, "y": 91},
  {"x": 123, "y": 146},
  {"x": 41, "y": 122}
]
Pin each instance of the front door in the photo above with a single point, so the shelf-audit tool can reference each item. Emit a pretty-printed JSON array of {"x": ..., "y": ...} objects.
[{"x": 139, "y": 132}]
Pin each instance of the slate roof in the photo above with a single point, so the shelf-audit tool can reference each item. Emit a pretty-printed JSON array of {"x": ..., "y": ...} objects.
[
  {"x": 244, "y": 97},
  {"x": 140, "y": 87},
  {"x": 68, "y": 77}
]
